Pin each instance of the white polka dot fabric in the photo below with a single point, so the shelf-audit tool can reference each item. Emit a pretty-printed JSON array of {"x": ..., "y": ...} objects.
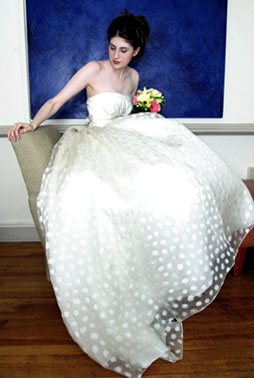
[{"x": 142, "y": 223}]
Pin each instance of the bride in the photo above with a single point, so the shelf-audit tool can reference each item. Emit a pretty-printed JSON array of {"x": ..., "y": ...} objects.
[{"x": 142, "y": 221}]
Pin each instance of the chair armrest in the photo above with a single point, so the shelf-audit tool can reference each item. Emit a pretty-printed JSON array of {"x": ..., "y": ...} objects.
[{"x": 33, "y": 153}]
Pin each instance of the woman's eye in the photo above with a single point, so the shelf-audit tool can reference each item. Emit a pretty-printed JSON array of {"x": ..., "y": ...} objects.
[{"x": 122, "y": 50}]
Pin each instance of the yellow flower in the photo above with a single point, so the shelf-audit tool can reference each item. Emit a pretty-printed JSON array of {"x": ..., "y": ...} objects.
[
  {"x": 154, "y": 92},
  {"x": 144, "y": 98}
]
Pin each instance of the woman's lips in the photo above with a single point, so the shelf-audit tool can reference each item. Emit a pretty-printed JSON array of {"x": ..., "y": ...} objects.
[{"x": 116, "y": 62}]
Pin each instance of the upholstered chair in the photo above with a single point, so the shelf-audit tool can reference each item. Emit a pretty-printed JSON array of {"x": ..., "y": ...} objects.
[{"x": 33, "y": 152}]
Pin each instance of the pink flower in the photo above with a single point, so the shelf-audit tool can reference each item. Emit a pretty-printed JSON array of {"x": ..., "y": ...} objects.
[
  {"x": 134, "y": 100},
  {"x": 155, "y": 107}
]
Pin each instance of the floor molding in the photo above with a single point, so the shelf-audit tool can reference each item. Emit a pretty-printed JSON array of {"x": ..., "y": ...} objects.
[{"x": 18, "y": 233}]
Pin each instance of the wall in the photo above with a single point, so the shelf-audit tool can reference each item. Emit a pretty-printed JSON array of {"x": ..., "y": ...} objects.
[
  {"x": 236, "y": 150},
  {"x": 13, "y": 73}
]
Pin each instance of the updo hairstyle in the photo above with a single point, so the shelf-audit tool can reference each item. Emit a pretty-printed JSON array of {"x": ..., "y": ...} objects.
[{"x": 134, "y": 29}]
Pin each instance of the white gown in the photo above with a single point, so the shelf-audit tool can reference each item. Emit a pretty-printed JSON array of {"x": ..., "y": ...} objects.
[{"x": 142, "y": 223}]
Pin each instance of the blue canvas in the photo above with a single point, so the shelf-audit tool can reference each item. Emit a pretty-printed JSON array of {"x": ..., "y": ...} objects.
[{"x": 185, "y": 57}]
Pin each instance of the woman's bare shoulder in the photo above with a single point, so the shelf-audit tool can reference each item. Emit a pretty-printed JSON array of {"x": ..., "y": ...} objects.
[
  {"x": 134, "y": 73},
  {"x": 93, "y": 66},
  {"x": 134, "y": 76}
]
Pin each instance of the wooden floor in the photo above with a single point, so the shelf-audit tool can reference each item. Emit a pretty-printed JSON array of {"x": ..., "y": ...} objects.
[{"x": 218, "y": 342}]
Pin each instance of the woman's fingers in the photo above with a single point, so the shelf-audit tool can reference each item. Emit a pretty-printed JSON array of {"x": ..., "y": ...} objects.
[
  {"x": 12, "y": 132},
  {"x": 17, "y": 133},
  {"x": 17, "y": 129},
  {"x": 11, "y": 135}
]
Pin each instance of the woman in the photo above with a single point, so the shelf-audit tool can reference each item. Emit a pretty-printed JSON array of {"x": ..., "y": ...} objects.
[
  {"x": 142, "y": 220},
  {"x": 113, "y": 74}
]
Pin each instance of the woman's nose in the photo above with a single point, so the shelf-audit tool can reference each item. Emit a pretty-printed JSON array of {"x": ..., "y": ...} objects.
[{"x": 116, "y": 54}]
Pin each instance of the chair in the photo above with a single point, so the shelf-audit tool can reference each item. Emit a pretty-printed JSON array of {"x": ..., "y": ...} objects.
[{"x": 33, "y": 153}]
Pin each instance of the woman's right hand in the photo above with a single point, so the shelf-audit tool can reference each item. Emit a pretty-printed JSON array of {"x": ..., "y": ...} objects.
[{"x": 19, "y": 128}]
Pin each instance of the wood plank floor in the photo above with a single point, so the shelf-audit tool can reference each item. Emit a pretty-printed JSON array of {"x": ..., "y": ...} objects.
[{"x": 218, "y": 342}]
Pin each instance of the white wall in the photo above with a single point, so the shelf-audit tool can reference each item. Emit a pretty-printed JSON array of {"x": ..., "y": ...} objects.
[
  {"x": 14, "y": 97},
  {"x": 236, "y": 150},
  {"x": 14, "y": 106}
]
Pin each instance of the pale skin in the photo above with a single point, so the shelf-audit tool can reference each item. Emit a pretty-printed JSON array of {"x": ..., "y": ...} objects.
[{"x": 112, "y": 75}]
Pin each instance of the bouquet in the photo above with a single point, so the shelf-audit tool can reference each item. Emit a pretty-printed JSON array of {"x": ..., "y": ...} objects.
[{"x": 148, "y": 100}]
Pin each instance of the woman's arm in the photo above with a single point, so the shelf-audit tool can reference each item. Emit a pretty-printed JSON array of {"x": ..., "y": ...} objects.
[{"x": 78, "y": 82}]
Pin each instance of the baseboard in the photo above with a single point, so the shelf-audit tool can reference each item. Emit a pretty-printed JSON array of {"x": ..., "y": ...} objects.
[{"x": 18, "y": 233}]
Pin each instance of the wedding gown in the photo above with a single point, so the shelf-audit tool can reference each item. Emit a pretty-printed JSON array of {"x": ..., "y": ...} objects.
[{"x": 142, "y": 223}]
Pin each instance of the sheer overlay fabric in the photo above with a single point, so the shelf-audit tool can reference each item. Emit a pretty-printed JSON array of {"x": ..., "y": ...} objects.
[{"x": 142, "y": 223}]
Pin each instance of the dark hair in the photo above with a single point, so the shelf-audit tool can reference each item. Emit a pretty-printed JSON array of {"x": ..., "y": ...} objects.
[{"x": 134, "y": 29}]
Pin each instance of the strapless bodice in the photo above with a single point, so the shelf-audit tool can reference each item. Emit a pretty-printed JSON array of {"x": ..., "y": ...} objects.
[{"x": 106, "y": 106}]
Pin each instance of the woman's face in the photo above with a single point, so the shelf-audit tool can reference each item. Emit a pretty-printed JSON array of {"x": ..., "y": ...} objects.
[{"x": 120, "y": 52}]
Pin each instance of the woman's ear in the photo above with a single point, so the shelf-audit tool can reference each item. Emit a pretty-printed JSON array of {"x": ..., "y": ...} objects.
[{"x": 136, "y": 51}]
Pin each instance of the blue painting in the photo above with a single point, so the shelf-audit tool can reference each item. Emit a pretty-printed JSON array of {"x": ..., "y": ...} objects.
[{"x": 185, "y": 57}]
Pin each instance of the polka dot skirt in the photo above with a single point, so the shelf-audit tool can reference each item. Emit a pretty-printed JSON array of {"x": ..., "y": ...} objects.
[{"x": 141, "y": 228}]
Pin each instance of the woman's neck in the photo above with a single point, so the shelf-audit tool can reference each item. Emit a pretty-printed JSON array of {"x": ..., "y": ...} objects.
[{"x": 118, "y": 73}]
